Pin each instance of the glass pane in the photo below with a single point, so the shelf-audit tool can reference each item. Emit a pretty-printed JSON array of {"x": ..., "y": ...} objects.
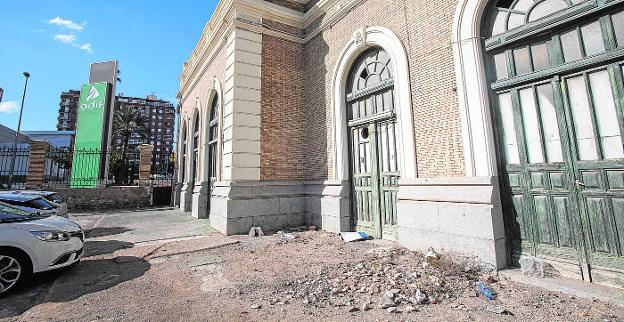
[
  {"x": 500, "y": 61},
  {"x": 606, "y": 115},
  {"x": 522, "y": 60},
  {"x": 509, "y": 131},
  {"x": 539, "y": 52},
  {"x": 498, "y": 26},
  {"x": 523, "y": 5},
  {"x": 531, "y": 126},
  {"x": 618, "y": 25},
  {"x": 571, "y": 46},
  {"x": 592, "y": 39},
  {"x": 547, "y": 7},
  {"x": 550, "y": 126},
  {"x": 585, "y": 138},
  {"x": 515, "y": 20}
]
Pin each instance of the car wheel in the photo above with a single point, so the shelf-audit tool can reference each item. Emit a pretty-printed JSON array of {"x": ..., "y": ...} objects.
[{"x": 13, "y": 269}]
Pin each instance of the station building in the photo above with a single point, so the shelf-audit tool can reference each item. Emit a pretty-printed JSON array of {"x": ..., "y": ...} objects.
[{"x": 488, "y": 128}]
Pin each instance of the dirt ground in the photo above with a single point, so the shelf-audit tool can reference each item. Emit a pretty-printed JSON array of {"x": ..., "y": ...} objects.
[{"x": 311, "y": 277}]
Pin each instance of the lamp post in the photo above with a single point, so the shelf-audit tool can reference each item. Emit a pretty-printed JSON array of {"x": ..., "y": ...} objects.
[{"x": 19, "y": 125}]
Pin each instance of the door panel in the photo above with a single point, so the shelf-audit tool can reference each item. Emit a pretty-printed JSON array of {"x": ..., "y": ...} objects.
[
  {"x": 532, "y": 123},
  {"x": 599, "y": 173},
  {"x": 363, "y": 200},
  {"x": 389, "y": 176}
]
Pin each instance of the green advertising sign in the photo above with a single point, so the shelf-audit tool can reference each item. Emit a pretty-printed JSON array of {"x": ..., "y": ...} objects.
[{"x": 89, "y": 135}]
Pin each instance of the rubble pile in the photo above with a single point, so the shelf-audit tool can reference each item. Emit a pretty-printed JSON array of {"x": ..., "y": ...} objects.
[{"x": 394, "y": 279}]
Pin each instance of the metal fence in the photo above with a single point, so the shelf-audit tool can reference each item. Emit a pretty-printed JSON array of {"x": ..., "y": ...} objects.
[
  {"x": 13, "y": 166},
  {"x": 66, "y": 167}
]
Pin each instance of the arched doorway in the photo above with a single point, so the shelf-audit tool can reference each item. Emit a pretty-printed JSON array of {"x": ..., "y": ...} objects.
[
  {"x": 556, "y": 70},
  {"x": 373, "y": 155},
  {"x": 213, "y": 147}
]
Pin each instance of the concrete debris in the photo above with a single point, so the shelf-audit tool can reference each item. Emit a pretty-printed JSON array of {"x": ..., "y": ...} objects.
[
  {"x": 287, "y": 236},
  {"x": 396, "y": 288},
  {"x": 256, "y": 232},
  {"x": 393, "y": 309},
  {"x": 497, "y": 309},
  {"x": 350, "y": 308},
  {"x": 432, "y": 257}
]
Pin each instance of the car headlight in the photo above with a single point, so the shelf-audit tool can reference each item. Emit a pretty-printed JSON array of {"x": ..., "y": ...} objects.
[{"x": 52, "y": 235}]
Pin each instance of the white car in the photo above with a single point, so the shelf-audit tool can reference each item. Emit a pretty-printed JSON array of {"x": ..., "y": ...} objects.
[
  {"x": 49, "y": 196},
  {"x": 32, "y": 243},
  {"x": 30, "y": 203}
]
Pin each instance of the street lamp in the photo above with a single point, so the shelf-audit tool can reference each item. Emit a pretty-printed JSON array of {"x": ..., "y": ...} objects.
[{"x": 19, "y": 125}]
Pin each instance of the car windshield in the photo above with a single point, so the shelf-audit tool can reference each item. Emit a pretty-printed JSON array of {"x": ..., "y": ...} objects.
[
  {"x": 54, "y": 198},
  {"x": 41, "y": 203},
  {"x": 12, "y": 214}
]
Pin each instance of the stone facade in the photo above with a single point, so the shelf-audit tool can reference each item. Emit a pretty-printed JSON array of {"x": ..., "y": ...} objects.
[{"x": 279, "y": 70}]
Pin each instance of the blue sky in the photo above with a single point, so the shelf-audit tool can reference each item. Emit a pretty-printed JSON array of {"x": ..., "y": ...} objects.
[{"x": 57, "y": 40}]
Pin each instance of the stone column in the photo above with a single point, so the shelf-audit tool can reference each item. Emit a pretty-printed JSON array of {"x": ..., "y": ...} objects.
[
  {"x": 37, "y": 164},
  {"x": 241, "y": 135},
  {"x": 145, "y": 164}
]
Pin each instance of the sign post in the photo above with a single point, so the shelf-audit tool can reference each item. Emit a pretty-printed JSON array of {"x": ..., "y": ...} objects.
[{"x": 88, "y": 147}]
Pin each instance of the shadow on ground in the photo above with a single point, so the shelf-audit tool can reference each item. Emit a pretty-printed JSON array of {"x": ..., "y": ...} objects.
[
  {"x": 89, "y": 276},
  {"x": 106, "y": 231},
  {"x": 104, "y": 247}
]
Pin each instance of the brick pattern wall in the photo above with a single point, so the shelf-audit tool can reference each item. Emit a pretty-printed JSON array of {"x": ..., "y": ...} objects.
[
  {"x": 283, "y": 117},
  {"x": 425, "y": 31},
  {"x": 36, "y": 164}
]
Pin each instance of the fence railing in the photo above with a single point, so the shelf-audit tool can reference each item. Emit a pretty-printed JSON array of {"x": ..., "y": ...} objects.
[
  {"x": 64, "y": 167},
  {"x": 13, "y": 166}
]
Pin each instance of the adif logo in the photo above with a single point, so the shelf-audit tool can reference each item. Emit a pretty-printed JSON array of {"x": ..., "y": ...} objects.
[
  {"x": 93, "y": 94},
  {"x": 90, "y": 101}
]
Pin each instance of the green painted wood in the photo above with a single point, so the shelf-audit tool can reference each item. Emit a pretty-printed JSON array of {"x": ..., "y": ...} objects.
[{"x": 571, "y": 211}]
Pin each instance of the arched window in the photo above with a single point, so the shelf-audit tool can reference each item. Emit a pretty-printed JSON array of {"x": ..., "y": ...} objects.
[
  {"x": 183, "y": 153},
  {"x": 510, "y": 14},
  {"x": 196, "y": 131},
  {"x": 213, "y": 141},
  {"x": 556, "y": 70}
]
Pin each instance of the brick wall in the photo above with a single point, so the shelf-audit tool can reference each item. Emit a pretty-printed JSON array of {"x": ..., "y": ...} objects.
[
  {"x": 283, "y": 134},
  {"x": 425, "y": 31}
]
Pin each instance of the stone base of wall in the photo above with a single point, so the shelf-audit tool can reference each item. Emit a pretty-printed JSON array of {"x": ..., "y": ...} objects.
[
  {"x": 457, "y": 215},
  {"x": 236, "y": 207},
  {"x": 199, "y": 206},
  {"x": 105, "y": 198},
  {"x": 186, "y": 197}
]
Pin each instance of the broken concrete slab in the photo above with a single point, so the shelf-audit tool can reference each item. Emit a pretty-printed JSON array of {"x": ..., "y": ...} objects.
[{"x": 204, "y": 260}]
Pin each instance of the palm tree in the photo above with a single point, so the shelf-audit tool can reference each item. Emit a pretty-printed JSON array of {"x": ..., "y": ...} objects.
[{"x": 129, "y": 122}]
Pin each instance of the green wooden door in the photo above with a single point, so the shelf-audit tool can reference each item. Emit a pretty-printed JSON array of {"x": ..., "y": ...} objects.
[
  {"x": 373, "y": 152},
  {"x": 594, "y": 111},
  {"x": 558, "y": 98}
]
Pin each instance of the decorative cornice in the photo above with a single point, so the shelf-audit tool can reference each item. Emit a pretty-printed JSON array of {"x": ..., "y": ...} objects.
[{"x": 248, "y": 15}]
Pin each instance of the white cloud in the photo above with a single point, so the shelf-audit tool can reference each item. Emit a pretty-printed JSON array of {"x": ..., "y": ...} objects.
[
  {"x": 67, "y": 23},
  {"x": 71, "y": 40},
  {"x": 86, "y": 47},
  {"x": 8, "y": 107},
  {"x": 68, "y": 39}
]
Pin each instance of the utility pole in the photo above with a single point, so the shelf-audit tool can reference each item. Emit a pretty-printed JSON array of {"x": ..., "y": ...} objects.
[{"x": 19, "y": 125}]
